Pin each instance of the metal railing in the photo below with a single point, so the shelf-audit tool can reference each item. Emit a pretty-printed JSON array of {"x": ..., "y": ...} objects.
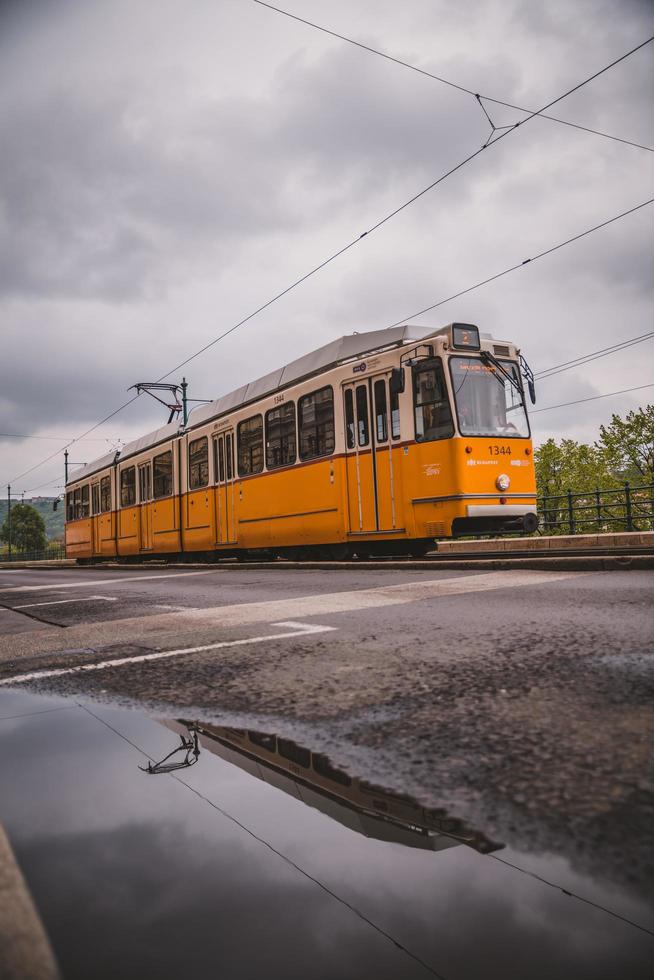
[
  {"x": 624, "y": 508},
  {"x": 50, "y": 553}
]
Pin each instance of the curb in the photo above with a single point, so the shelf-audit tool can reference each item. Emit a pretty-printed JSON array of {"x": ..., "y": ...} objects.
[
  {"x": 571, "y": 563},
  {"x": 25, "y": 949}
]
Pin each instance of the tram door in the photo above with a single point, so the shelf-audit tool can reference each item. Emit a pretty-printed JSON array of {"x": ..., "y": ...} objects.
[
  {"x": 371, "y": 460},
  {"x": 223, "y": 447},
  {"x": 145, "y": 499}
]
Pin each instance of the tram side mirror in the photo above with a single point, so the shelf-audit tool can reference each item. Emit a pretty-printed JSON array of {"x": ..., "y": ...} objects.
[
  {"x": 532, "y": 391},
  {"x": 55, "y": 504},
  {"x": 397, "y": 381}
]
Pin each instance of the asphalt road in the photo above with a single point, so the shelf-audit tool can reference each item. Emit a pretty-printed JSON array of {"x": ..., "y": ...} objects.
[{"x": 521, "y": 701}]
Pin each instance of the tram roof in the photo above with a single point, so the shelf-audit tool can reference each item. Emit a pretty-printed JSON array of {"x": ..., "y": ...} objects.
[
  {"x": 150, "y": 439},
  {"x": 336, "y": 352},
  {"x": 90, "y": 468}
]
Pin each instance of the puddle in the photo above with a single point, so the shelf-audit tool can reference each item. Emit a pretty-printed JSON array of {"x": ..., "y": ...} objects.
[{"x": 244, "y": 855}]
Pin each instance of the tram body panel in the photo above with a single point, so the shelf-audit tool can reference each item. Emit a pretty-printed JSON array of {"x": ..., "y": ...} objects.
[
  {"x": 165, "y": 525},
  {"x": 106, "y": 535},
  {"x": 396, "y": 463},
  {"x": 294, "y": 506},
  {"x": 79, "y": 538},
  {"x": 199, "y": 512},
  {"x": 129, "y": 528}
]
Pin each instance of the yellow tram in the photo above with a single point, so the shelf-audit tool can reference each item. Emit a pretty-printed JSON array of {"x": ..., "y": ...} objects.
[{"x": 377, "y": 443}]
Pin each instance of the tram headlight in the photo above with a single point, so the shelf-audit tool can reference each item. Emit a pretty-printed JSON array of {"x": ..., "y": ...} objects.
[{"x": 502, "y": 482}]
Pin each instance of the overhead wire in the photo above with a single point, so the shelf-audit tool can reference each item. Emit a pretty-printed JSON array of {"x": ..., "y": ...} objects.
[
  {"x": 560, "y": 888},
  {"x": 439, "y": 78},
  {"x": 594, "y": 356},
  {"x": 522, "y": 264},
  {"x": 433, "y": 306},
  {"x": 329, "y": 891},
  {"x": 280, "y": 854},
  {"x": 352, "y": 243},
  {"x": 593, "y": 398},
  {"x": 403, "y": 206},
  {"x": 76, "y": 439},
  {"x": 22, "y": 435}
]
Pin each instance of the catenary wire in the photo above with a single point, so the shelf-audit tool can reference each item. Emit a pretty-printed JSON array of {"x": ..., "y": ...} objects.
[
  {"x": 405, "y": 205},
  {"x": 351, "y": 244},
  {"x": 594, "y": 356},
  {"x": 593, "y": 398},
  {"x": 262, "y": 840},
  {"x": 427, "y": 309},
  {"x": 586, "y": 901},
  {"x": 439, "y": 78},
  {"x": 22, "y": 435},
  {"x": 520, "y": 265},
  {"x": 76, "y": 439},
  {"x": 288, "y": 860}
]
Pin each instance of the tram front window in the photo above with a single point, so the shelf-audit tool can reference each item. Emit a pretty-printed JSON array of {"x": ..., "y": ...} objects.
[{"x": 486, "y": 403}]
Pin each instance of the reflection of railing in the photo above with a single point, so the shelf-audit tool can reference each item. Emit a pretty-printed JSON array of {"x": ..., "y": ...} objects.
[
  {"x": 51, "y": 552},
  {"x": 625, "y": 508}
]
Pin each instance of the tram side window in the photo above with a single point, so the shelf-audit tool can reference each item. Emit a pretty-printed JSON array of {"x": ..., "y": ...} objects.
[
  {"x": 280, "y": 436},
  {"x": 316, "y": 423},
  {"x": 198, "y": 463},
  {"x": 219, "y": 460},
  {"x": 250, "y": 446},
  {"x": 78, "y": 504},
  {"x": 86, "y": 500},
  {"x": 381, "y": 416},
  {"x": 395, "y": 415},
  {"x": 362, "y": 415},
  {"x": 95, "y": 498},
  {"x": 105, "y": 494},
  {"x": 128, "y": 487},
  {"x": 432, "y": 407},
  {"x": 264, "y": 740},
  {"x": 294, "y": 753},
  {"x": 323, "y": 767},
  {"x": 349, "y": 419},
  {"x": 229, "y": 456},
  {"x": 70, "y": 506},
  {"x": 162, "y": 475}
]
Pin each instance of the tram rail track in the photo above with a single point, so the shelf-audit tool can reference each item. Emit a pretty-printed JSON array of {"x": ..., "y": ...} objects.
[{"x": 569, "y": 558}]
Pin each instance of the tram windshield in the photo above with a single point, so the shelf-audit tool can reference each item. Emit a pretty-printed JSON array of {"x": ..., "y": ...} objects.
[{"x": 486, "y": 403}]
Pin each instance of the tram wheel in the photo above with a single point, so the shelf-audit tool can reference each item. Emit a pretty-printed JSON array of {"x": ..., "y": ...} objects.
[{"x": 419, "y": 549}]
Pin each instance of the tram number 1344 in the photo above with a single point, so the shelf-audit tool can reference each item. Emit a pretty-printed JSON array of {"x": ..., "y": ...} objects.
[{"x": 499, "y": 450}]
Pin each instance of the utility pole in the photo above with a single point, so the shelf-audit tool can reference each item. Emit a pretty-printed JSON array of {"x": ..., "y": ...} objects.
[
  {"x": 9, "y": 519},
  {"x": 66, "y": 467},
  {"x": 184, "y": 386}
]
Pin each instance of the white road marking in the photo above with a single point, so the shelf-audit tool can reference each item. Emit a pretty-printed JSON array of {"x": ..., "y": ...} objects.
[
  {"x": 244, "y": 613},
  {"x": 93, "y": 583},
  {"x": 297, "y": 629},
  {"x": 61, "y": 602},
  {"x": 54, "y": 639}
]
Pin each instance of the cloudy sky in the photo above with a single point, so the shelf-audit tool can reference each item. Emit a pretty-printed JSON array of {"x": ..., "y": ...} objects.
[{"x": 168, "y": 166}]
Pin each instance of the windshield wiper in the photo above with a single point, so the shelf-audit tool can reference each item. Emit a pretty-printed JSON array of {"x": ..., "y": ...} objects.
[{"x": 488, "y": 358}]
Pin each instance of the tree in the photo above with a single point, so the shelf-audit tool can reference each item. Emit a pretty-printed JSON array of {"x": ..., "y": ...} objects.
[
  {"x": 27, "y": 529},
  {"x": 571, "y": 465},
  {"x": 628, "y": 445}
]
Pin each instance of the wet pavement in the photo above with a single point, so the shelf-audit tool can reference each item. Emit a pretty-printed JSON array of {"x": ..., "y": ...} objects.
[
  {"x": 514, "y": 707},
  {"x": 262, "y": 859}
]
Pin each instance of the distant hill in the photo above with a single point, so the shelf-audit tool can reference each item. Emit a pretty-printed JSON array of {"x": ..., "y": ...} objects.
[{"x": 53, "y": 520}]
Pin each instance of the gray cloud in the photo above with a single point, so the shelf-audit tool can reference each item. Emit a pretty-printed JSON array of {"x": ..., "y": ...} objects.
[{"x": 162, "y": 175}]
